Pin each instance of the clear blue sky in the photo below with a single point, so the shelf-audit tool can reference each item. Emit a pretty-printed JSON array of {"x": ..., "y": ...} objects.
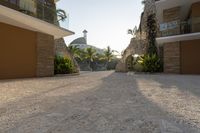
[{"x": 106, "y": 21}]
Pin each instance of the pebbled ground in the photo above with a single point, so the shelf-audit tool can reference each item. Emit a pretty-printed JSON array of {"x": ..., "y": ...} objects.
[{"x": 101, "y": 102}]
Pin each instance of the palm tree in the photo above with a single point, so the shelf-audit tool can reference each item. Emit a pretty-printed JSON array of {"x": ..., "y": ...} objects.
[
  {"x": 133, "y": 32},
  {"x": 108, "y": 55},
  {"x": 75, "y": 51},
  {"x": 90, "y": 55},
  {"x": 61, "y": 14}
]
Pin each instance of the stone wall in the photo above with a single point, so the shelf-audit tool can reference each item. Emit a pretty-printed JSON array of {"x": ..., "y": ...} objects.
[
  {"x": 45, "y": 55},
  {"x": 139, "y": 43},
  {"x": 62, "y": 50},
  {"x": 172, "y": 57},
  {"x": 136, "y": 46}
]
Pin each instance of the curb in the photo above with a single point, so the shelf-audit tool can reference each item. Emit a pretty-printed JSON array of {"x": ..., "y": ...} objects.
[{"x": 64, "y": 75}]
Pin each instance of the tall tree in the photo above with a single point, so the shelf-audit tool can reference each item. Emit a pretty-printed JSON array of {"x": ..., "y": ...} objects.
[
  {"x": 75, "y": 51},
  {"x": 108, "y": 55},
  {"x": 151, "y": 35},
  {"x": 90, "y": 55}
]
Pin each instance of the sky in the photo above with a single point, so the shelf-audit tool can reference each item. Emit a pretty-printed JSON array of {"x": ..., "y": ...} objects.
[{"x": 106, "y": 21}]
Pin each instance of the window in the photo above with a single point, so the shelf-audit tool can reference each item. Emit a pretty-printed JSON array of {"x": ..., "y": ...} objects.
[
  {"x": 14, "y": 1},
  {"x": 47, "y": 2}
]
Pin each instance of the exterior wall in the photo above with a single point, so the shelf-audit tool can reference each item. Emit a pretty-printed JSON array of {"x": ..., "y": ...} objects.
[
  {"x": 62, "y": 50},
  {"x": 136, "y": 46},
  {"x": 45, "y": 10},
  {"x": 25, "y": 53},
  {"x": 190, "y": 63},
  {"x": 45, "y": 55},
  {"x": 17, "y": 52},
  {"x": 195, "y": 10},
  {"x": 182, "y": 57},
  {"x": 171, "y": 51},
  {"x": 170, "y": 15},
  {"x": 195, "y": 16},
  {"x": 172, "y": 57}
]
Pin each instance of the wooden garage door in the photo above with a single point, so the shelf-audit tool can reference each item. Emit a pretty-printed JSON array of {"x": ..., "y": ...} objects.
[
  {"x": 190, "y": 57},
  {"x": 17, "y": 52}
]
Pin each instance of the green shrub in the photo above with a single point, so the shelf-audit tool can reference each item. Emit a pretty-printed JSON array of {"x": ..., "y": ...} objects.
[
  {"x": 150, "y": 63},
  {"x": 138, "y": 67},
  {"x": 63, "y": 65}
]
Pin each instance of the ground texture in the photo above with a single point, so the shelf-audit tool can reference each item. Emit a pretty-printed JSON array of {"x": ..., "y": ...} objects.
[{"x": 101, "y": 102}]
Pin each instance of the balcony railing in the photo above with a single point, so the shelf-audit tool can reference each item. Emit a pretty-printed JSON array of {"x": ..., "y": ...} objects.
[
  {"x": 180, "y": 27},
  {"x": 34, "y": 8}
]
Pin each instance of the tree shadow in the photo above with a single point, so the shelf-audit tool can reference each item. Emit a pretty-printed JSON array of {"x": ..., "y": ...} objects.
[
  {"x": 185, "y": 83},
  {"x": 114, "y": 104}
]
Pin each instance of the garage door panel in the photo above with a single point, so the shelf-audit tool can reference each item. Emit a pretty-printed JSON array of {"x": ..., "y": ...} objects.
[
  {"x": 17, "y": 52},
  {"x": 190, "y": 57}
]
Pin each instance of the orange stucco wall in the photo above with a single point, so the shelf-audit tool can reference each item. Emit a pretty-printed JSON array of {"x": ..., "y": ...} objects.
[{"x": 17, "y": 52}]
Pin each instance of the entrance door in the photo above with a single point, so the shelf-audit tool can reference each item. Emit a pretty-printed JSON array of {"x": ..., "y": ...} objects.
[{"x": 190, "y": 57}]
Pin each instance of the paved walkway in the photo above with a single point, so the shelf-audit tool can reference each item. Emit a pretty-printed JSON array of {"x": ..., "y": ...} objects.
[{"x": 101, "y": 102}]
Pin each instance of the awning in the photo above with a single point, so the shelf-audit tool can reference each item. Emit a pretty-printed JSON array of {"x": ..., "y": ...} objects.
[{"x": 178, "y": 38}]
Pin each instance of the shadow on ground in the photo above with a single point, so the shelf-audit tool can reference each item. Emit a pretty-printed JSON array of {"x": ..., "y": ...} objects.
[{"x": 99, "y": 102}]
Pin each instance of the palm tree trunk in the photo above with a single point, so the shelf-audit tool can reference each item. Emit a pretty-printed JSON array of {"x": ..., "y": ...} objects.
[
  {"x": 106, "y": 65},
  {"x": 90, "y": 65}
]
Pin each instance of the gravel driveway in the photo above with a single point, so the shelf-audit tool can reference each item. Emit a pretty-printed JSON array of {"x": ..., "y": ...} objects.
[{"x": 101, "y": 102}]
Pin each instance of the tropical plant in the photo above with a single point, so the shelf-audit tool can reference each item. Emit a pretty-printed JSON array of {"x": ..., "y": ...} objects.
[
  {"x": 63, "y": 65},
  {"x": 108, "y": 55},
  {"x": 90, "y": 55},
  {"x": 61, "y": 14},
  {"x": 151, "y": 24},
  {"x": 150, "y": 63},
  {"x": 75, "y": 51},
  {"x": 133, "y": 32}
]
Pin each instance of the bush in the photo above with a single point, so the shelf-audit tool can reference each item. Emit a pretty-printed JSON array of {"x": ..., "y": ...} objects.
[
  {"x": 112, "y": 64},
  {"x": 63, "y": 65},
  {"x": 150, "y": 63},
  {"x": 138, "y": 67}
]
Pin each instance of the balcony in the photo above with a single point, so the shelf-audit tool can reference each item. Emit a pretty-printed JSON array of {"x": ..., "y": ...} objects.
[
  {"x": 179, "y": 30},
  {"x": 35, "y": 16},
  {"x": 36, "y": 9},
  {"x": 180, "y": 27}
]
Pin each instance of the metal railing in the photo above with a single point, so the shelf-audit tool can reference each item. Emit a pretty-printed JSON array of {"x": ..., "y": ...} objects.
[
  {"x": 178, "y": 27},
  {"x": 43, "y": 11}
]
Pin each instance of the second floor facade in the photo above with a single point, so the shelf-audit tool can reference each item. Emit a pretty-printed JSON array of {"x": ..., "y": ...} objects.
[
  {"x": 178, "y": 17},
  {"x": 35, "y": 15},
  {"x": 42, "y": 9}
]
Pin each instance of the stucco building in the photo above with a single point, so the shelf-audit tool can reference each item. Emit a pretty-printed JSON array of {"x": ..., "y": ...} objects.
[
  {"x": 178, "y": 36},
  {"x": 179, "y": 24},
  {"x": 28, "y": 31}
]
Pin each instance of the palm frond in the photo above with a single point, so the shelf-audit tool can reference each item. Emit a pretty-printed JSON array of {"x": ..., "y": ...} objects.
[{"x": 62, "y": 16}]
